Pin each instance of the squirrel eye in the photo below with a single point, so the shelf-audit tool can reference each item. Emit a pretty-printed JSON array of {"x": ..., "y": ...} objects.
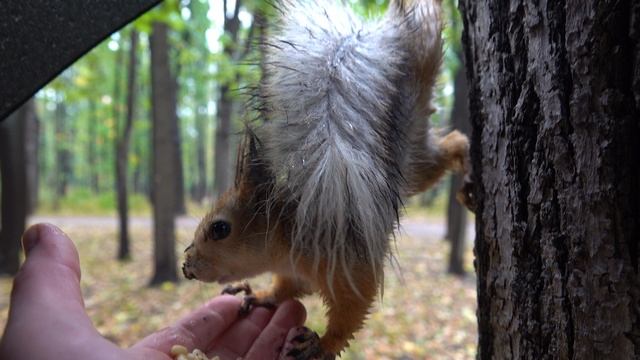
[{"x": 219, "y": 230}]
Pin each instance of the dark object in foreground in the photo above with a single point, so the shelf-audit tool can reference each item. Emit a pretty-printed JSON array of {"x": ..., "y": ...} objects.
[{"x": 39, "y": 39}]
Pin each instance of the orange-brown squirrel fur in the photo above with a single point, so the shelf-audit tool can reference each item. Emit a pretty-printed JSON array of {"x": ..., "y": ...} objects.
[
  {"x": 260, "y": 246},
  {"x": 253, "y": 226}
]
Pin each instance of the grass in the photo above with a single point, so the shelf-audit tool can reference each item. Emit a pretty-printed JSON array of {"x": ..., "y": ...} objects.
[{"x": 80, "y": 201}]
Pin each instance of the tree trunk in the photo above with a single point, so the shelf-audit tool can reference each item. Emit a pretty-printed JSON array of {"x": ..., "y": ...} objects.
[
  {"x": 222, "y": 167},
  {"x": 555, "y": 109},
  {"x": 63, "y": 155},
  {"x": 13, "y": 173},
  {"x": 91, "y": 148},
  {"x": 122, "y": 152},
  {"x": 195, "y": 38},
  {"x": 222, "y": 152},
  {"x": 180, "y": 207},
  {"x": 200, "y": 186},
  {"x": 456, "y": 213},
  {"x": 164, "y": 149},
  {"x": 31, "y": 145}
]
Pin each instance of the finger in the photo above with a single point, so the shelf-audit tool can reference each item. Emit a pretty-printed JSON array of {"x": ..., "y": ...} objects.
[
  {"x": 46, "y": 301},
  {"x": 290, "y": 314},
  {"x": 198, "y": 329},
  {"x": 240, "y": 336}
]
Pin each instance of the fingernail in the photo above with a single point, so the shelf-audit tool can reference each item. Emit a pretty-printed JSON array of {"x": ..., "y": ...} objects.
[{"x": 30, "y": 239}]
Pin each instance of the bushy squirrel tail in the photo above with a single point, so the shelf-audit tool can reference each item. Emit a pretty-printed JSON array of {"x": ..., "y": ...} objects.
[{"x": 342, "y": 97}]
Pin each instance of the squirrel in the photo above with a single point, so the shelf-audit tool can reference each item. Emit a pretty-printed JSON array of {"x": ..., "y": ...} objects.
[{"x": 321, "y": 181}]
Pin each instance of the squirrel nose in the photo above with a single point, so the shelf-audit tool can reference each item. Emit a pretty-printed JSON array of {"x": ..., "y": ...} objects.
[{"x": 187, "y": 274}]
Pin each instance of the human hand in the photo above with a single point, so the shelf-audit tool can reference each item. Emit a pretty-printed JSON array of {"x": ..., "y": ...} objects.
[{"x": 47, "y": 319}]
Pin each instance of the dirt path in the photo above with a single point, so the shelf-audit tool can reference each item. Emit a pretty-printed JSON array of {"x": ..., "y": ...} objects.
[{"x": 419, "y": 228}]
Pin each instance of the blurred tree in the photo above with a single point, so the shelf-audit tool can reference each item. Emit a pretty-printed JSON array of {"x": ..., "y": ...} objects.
[
  {"x": 122, "y": 150},
  {"x": 63, "y": 143},
  {"x": 164, "y": 151},
  {"x": 222, "y": 165},
  {"x": 197, "y": 26},
  {"x": 13, "y": 175},
  {"x": 31, "y": 145},
  {"x": 179, "y": 206},
  {"x": 456, "y": 213},
  {"x": 92, "y": 133},
  {"x": 225, "y": 105}
]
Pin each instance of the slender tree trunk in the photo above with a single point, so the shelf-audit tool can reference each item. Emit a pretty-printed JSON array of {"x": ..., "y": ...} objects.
[
  {"x": 555, "y": 109},
  {"x": 63, "y": 155},
  {"x": 456, "y": 213},
  {"x": 164, "y": 149},
  {"x": 122, "y": 152},
  {"x": 13, "y": 174},
  {"x": 140, "y": 173},
  {"x": 91, "y": 148},
  {"x": 200, "y": 187},
  {"x": 31, "y": 144},
  {"x": 222, "y": 158},
  {"x": 222, "y": 152},
  {"x": 180, "y": 207},
  {"x": 197, "y": 40}
]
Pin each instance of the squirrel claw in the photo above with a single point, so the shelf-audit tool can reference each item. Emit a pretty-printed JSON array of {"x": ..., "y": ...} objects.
[
  {"x": 234, "y": 289},
  {"x": 250, "y": 301},
  {"x": 307, "y": 346},
  {"x": 466, "y": 196}
]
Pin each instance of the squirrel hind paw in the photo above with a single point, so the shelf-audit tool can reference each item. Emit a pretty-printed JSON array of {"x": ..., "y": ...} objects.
[
  {"x": 306, "y": 346},
  {"x": 466, "y": 195}
]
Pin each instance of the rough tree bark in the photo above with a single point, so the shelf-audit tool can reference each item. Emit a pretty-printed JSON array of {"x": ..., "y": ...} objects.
[
  {"x": 13, "y": 173},
  {"x": 122, "y": 151},
  {"x": 555, "y": 110},
  {"x": 164, "y": 152},
  {"x": 456, "y": 213}
]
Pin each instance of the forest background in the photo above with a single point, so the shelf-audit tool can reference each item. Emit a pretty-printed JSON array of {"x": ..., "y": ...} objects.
[{"x": 89, "y": 166}]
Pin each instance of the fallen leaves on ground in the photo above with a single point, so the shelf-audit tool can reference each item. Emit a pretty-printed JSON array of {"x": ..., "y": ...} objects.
[{"x": 425, "y": 313}]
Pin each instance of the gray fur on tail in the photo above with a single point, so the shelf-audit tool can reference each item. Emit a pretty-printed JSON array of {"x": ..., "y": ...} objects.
[{"x": 341, "y": 100}]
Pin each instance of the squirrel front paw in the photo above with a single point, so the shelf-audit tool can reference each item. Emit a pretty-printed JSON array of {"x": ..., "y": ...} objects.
[
  {"x": 455, "y": 146},
  {"x": 250, "y": 300},
  {"x": 306, "y": 346}
]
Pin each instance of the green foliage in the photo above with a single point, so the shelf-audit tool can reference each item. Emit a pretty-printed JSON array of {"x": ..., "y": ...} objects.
[{"x": 167, "y": 12}]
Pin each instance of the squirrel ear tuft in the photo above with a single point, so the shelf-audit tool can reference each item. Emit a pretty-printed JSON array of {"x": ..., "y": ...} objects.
[{"x": 252, "y": 175}]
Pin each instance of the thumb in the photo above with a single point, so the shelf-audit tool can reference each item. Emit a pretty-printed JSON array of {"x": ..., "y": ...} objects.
[
  {"x": 51, "y": 271},
  {"x": 46, "y": 300}
]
